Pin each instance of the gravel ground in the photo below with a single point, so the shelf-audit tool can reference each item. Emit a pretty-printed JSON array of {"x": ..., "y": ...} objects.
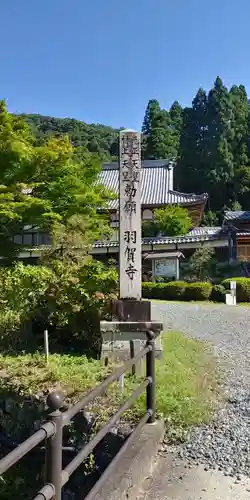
[{"x": 226, "y": 443}]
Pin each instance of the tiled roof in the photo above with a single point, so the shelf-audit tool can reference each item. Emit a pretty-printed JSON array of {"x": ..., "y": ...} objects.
[
  {"x": 204, "y": 231},
  {"x": 164, "y": 240},
  {"x": 237, "y": 215},
  {"x": 175, "y": 197},
  {"x": 196, "y": 235},
  {"x": 243, "y": 233},
  {"x": 145, "y": 163},
  {"x": 169, "y": 255},
  {"x": 156, "y": 185}
]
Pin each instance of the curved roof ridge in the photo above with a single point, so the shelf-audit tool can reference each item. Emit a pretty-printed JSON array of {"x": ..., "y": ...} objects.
[
  {"x": 237, "y": 214},
  {"x": 174, "y": 191}
]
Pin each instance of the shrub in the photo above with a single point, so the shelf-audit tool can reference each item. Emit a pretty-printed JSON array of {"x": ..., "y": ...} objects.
[
  {"x": 200, "y": 265},
  {"x": 175, "y": 290},
  {"x": 164, "y": 291},
  {"x": 69, "y": 300},
  {"x": 224, "y": 270},
  {"x": 22, "y": 286},
  {"x": 154, "y": 290},
  {"x": 198, "y": 291},
  {"x": 218, "y": 293},
  {"x": 242, "y": 288}
]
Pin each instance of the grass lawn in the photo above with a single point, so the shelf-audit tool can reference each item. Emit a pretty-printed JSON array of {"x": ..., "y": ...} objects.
[{"x": 186, "y": 381}]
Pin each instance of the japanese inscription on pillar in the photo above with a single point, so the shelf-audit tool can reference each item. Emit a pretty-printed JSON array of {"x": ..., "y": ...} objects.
[{"x": 130, "y": 214}]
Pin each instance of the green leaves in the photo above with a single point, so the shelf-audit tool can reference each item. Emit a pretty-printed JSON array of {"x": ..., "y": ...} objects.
[
  {"x": 86, "y": 138},
  {"x": 173, "y": 220},
  {"x": 49, "y": 187},
  {"x": 161, "y": 131},
  {"x": 170, "y": 221},
  {"x": 64, "y": 295},
  {"x": 201, "y": 263},
  {"x": 211, "y": 142},
  {"x": 214, "y": 154}
]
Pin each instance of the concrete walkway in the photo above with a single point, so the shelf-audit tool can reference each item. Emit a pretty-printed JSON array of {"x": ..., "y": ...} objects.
[{"x": 172, "y": 479}]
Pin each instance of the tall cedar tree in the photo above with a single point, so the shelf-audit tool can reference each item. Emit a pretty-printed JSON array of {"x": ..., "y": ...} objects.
[
  {"x": 176, "y": 116},
  {"x": 219, "y": 139},
  {"x": 191, "y": 167},
  {"x": 152, "y": 111},
  {"x": 161, "y": 131},
  {"x": 240, "y": 185}
]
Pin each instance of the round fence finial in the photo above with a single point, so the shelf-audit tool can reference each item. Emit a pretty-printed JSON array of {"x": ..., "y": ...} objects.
[
  {"x": 150, "y": 335},
  {"x": 55, "y": 400}
]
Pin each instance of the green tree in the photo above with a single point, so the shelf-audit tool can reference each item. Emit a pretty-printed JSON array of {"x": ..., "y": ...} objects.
[
  {"x": 191, "y": 166},
  {"x": 208, "y": 146},
  {"x": 161, "y": 131},
  {"x": 94, "y": 138},
  {"x": 210, "y": 219},
  {"x": 170, "y": 221},
  {"x": 160, "y": 142},
  {"x": 17, "y": 207},
  {"x": 44, "y": 186},
  {"x": 219, "y": 144},
  {"x": 176, "y": 116},
  {"x": 152, "y": 111},
  {"x": 173, "y": 220},
  {"x": 240, "y": 184},
  {"x": 201, "y": 263}
]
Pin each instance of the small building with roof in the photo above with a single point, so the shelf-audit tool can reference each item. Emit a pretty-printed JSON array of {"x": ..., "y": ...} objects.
[{"x": 237, "y": 223}]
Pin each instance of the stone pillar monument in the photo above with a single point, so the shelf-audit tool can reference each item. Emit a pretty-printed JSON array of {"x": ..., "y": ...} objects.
[
  {"x": 130, "y": 215},
  {"x": 131, "y": 316},
  {"x": 130, "y": 306}
]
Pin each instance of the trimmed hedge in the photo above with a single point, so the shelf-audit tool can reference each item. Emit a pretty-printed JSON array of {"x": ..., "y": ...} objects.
[
  {"x": 198, "y": 291},
  {"x": 173, "y": 290},
  {"x": 153, "y": 290},
  {"x": 242, "y": 288},
  {"x": 218, "y": 293},
  {"x": 177, "y": 290}
]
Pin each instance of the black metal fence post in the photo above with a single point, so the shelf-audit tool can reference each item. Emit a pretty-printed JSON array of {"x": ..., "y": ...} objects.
[
  {"x": 54, "y": 445},
  {"x": 150, "y": 373}
]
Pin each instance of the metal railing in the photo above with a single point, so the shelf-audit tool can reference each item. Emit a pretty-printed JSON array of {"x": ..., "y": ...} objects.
[{"x": 52, "y": 431}]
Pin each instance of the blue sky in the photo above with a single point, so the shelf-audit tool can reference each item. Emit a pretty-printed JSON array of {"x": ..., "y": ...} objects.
[{"x": 102, "y": 60}]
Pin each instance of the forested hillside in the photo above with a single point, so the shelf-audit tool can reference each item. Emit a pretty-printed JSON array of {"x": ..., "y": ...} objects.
[
  {"x": 95, "y": 138},
  {"x": 210, "y": 140}
]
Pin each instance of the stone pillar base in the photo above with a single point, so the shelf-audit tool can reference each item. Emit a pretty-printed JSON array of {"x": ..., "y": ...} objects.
[{"x": 122, "y": 337}]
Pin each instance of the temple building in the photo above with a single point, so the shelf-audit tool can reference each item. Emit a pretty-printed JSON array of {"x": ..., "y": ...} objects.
[
  {"x": 157, "y": 191},
  {"x": 231, "y": 241},
  {"x": 237, "y": 224}
]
